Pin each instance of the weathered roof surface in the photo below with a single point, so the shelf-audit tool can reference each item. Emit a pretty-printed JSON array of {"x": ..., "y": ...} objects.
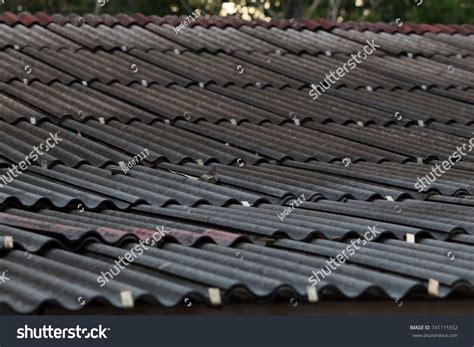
[
  {"x": 233, "y": 140},
  {"x": 246, "y": 271}
]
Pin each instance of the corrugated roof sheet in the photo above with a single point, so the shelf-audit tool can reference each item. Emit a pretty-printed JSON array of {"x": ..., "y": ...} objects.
[
  {"x": 173, "y": 272},
  {"x": 216, "y": 103},
  {"x": 234, "y": 140},
  {"x": 240, "y": 68}
]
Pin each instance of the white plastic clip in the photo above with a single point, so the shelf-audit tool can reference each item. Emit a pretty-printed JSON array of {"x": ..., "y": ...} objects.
[
  {"x": 8, "y": 242},
  {"x": 215, "y": 296},
  {"x": 419, "y": 160},
  {"x": 101, "y": 120},
  {"x": 233, "y": 121},
  {"x": 245, "y": 203},
  {"x": 312, "y": 294},
  {"x": 433, "y": 287},
  {"x": 126, "y": 298},
  {"x": 44, "y": 164},
  {"x": 200, "y": 162},
  {"x": 421, "y": 123},
  {"x": 410, "y": 238},
  {"x": 360, "y": 123},
  {"x": 84, "y": 83},
  {"x": 144, "y": 83},
  {"x": 33, "y": 120},
  {"x": 389, "y": 198}
]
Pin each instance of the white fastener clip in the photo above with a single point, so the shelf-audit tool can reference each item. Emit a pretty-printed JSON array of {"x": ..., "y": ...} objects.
[
  {"x": 389, "y": 198},
  {"x": 200, "y": 162},
  {"x": 126, "y": 298},
  {"x": 312, "y": 294},
  {"x": 215, "y": 296},
  {"x": 433, "y": 287},
  {"x": 410, "y": 238},
  {"x": 360, "y": 123},
  {"x": 101, "y": 120},
  {"x": 144, "y": 83},
  {"x": 233, "y": 121},
  {"x": 421, "y": 123},
  {"x": 33, "y": 120},
  {"x": 245, "y": 203},
  {"x": 8, "y": 242}
]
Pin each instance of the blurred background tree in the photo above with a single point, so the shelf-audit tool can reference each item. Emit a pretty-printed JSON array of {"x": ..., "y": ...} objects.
[{"x": 430, "y": 11}]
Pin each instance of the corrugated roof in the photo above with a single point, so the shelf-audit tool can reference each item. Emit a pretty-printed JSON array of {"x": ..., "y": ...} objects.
[
  {"x": 171, "y": 273},
  {"x": 239, "y": 68},
  {"x": 233, "y": 141}
]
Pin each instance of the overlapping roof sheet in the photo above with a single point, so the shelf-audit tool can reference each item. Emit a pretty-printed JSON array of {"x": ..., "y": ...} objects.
[{"x": 234, "y": 142}]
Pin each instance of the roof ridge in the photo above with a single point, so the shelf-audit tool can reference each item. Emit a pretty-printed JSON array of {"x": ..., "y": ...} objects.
[{"x": 44, "y": 19}]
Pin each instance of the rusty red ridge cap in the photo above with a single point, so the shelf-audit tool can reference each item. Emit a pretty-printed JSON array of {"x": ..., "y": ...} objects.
[
  {"x": 113, "y": 235},
  {"x": 189, "y": 238},
  {"x": 31, "y": 224},
  {"x": 71, "y": 233},
  {"x": 44, "y": 19}
]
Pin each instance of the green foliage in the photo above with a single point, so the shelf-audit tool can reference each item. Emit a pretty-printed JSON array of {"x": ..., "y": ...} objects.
[{"x": 430, "y": 11}]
